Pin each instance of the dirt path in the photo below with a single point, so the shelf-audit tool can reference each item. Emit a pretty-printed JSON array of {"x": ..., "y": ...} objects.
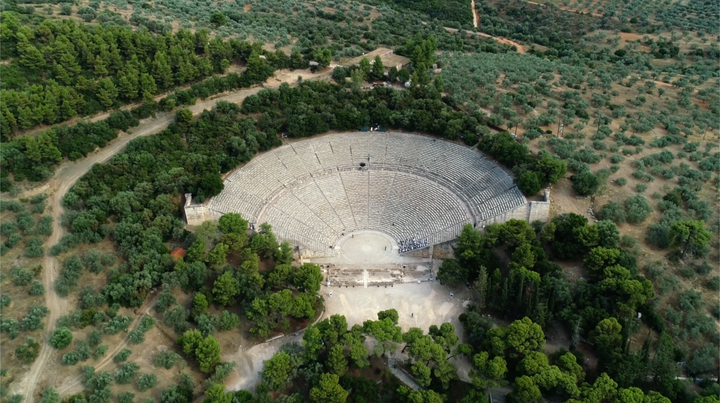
[
  {"x": 69, "y": 172},
  {"x": 476, "y": 18},
  {"x": 69, "y": 386},
  {"x": 520, "y": 48}
]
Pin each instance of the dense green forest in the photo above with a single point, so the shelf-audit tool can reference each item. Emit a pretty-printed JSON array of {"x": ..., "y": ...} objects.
[
  {"x": 324, "y": 367},
  {"x": 80, "y": 69}
]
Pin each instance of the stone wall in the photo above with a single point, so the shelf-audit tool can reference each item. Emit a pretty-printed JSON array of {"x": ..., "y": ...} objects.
[
  {"x": 530, "y": 211},
  {"x": 196, "y": 214}
]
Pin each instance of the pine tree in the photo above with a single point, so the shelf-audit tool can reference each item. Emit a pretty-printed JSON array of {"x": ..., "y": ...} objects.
[
  {"x": 48, "y": 150},
  {"x": 365, "y": 67},
  {"x": 208, "y": 354},
  {"x": 32, "y": 149},
  {"x": 70, "y": 64},
  {"x": 149, "y": 89},
  {"x": 68, "y": 103},
  {"x": 50, "y": 104},
  {"x": 125, "y": 87},
  {"x": 107, "y": 92},
  {"x": 505, "y": 296},
  {"x": 62, "y": 75},
  {"x": 480, "y": 286},
  {"x": 99, "y": 68},
  {"x": 30, "y": 56},
  {"x": 8, "y": 123},
  {"x": 25, "y": 118},
  {"x": 162, "y": 72},
  {"x": 378, "y": 70},
  {"x": 337, "y": 363}
]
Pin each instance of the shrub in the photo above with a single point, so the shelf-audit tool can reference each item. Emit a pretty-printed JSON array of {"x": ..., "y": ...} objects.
[
  {"x": 528, "y": 183},
  {"x": 69, "y": 275},
  {"x": 44, "y": 226},
  {"x": 166, "y": 359},
  {"x": 703, "y": 268},
  {"x": 67, "y": 242},
  {"x": 49, "y": 395},
  {"x": 136, "y": 337},
  {"x": 92, "y": 261},
  {"x": 108, "y": 259},
  {"x": 8, "y": 228},
  {"x": 221, "y": 372},
  {"x": 126, "y": 397},
  {"x": 146, "y": 381},
  {"x": 177, "y": 319},
  {"x": 33, "y": 320},
  {"x": 34, "y": 247},
  {"x": 146, "y": 323},
  {"x": 614, "y": 212},
  {"x": 691, "y": 147},
  {"x": 585, "y": 183},
  {"x": 116, "y": 325},
  {"x": 61, "y": 338},
  {"x": 88, "y": 299},
  {"x": 655, "y": 269},
  {"x": 686, "y": 272},
  {"x": 713, "y": 283},
  {"x": 228, "y": 321},
  {"x": 70, "y": 358},
  {"x": 206, "y": 324},
  {"x": 122, "y": 356},
  {"x": 621, "y": 181},
  {"x": 640, "y": 187},
  {"x": 13, "y": 241},
  {"x": 165, "y": 300},
  {"x": 669, "y": 283},
  {"x": 25, "y": 221},
  {"x": 9, "y": 326},
  {"x": 13, "y": 206},
  {"x": 715, "y": 310},
  {"x": 126, "y": 373},
  {"x": 94, "y": 339},
  {"x": 637, "y": 209},
  {"x": 703, "y": 360},
  {"x": 20, "y": 276},
  {"x": 36, "y": 289},
  {"x": 28, "y": 352},
  {"x": 100, "y": 351}
]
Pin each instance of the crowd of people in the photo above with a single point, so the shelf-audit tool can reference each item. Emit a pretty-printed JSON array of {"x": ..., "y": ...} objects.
[{"x": 412, "y": 244}]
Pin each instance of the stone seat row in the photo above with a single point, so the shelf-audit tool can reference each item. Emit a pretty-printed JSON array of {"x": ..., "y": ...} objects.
[{"x": 411, "y": 186}]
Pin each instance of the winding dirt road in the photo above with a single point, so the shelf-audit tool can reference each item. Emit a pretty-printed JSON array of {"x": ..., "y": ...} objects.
[
  {"x": 499, "y": 39},
  {"x": 66, "y": 176},
  {"x": 476, "y": 23},
  {"x": 476, "y": 18}
]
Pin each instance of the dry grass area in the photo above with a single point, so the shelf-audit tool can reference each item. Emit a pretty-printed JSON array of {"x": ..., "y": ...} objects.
[{"x": 20, "y": 301}]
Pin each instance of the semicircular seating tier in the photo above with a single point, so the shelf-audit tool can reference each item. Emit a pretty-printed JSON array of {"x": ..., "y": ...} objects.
[{"x": 419, "y": 190}]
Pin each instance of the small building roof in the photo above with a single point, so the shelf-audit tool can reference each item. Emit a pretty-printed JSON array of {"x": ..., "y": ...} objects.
[{"x": 177, "y": 253}]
